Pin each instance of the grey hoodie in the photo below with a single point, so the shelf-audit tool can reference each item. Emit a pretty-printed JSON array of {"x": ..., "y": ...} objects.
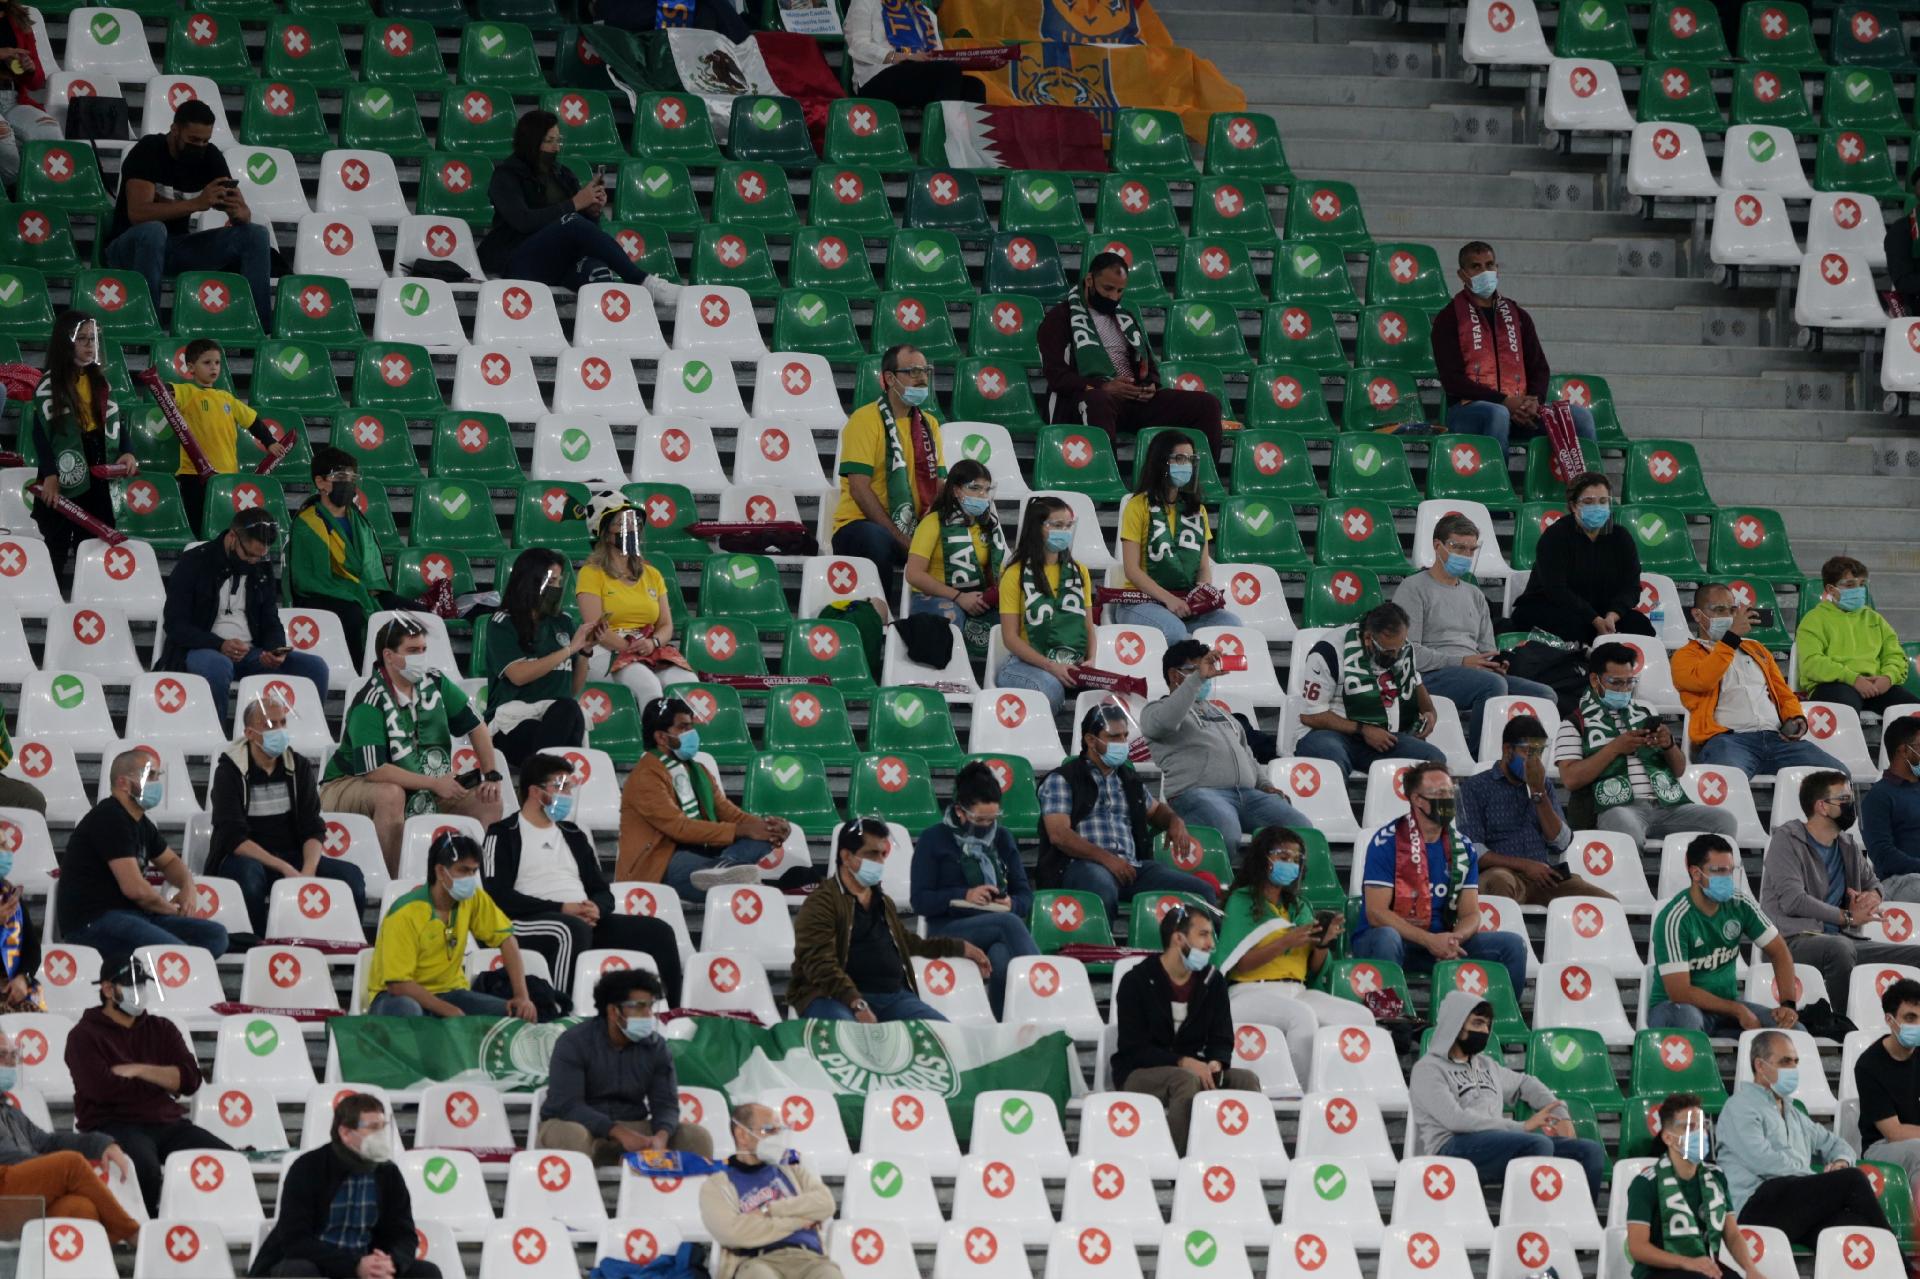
[{"x": 1450, "y": 1097}]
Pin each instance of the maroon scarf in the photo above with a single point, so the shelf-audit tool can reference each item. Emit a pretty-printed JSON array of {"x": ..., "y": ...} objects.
[{"x": 1492, "y": 352}]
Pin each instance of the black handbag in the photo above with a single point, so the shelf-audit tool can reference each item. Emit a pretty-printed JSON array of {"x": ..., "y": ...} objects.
[{"x": 94, "y": 118}]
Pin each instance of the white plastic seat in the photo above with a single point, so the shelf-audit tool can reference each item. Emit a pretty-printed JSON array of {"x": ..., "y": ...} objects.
[
  {"x": 1504, "y": 33},
  {"x": 317, "y": 631},
  {"x": 1345, "y": 1126},
  {"x": 110, "y": 44},
  {"x": 1337, "y": 1196},
  {"x": 1432, "y": 1253},
  {"x": 1255, "y": 593},
  {"x": 729, "y": 983},
  {"x": 912, "y": 1124},
  {"x": 1522, "y": 1251},
  {"x": 66, "y": 1247},
  {"x": 1015, "y": 722},
  {"x": 269, "y": 179},
  {"x": 597, "y": 383},
  {"x": 1489, "y": 562},
  {"x": 41, "y": 1042},
  {"x": 877, "y": 1249},
  {"x": 351, "y": 836},
  {"x": 1593, "y": 931},
  {"x": 1835, "y": 728},
  {"x": 1126, "y": 649},
  {"x": 1113, "y": 1188},
  {"x": 956, "y": 990},
  {"x": 316, "y": 1128},
  {"x": 319, "y": 910},
  {"x": 448, "y": 1186},
  {"x": 697, "y": 384},
  {"x": 1315, "y": 787},
  {"x": 1052, "y": 990},
  {"x": 1868, "y": 983},
  {"x": 1895, "y": 925},
  {"x": 897, "y": 668},
  {"x": 1237, "y": 1127},
  {"x": 633, "y": 897},
  {"x": 498, "y": 379},
  {"x": 1222, "y": 1194},
  {"x": 1668, "y": 161},
  {"x": 243, "y": 1117},
  {"x": 174, "y": 711},
  {"x": 70, "y": 978},
  {"x": 576, "y": 447},
  {"x": 1363, "y": 1060},
  {"x": 673, "y": 1201},
  {"x": 288, "y": 978},
  {"x": 1256, "y": 683},
  {"x": 1085, "y": 1250},
  {"x": 1583, "y": 95},
  {"x": 1727, "y": 788},
  {"x": 172, "y": 1248},
  {"x": 519, "y": 314},
  {"x": 717, "y": 322},
  {"x": 1025, "y": 1125},
  {"x": 91, "y": 640},
  {"x": 892, "y": 1188},
  {"x": 1325, "y": 1253},
  {"x": 975, "y": 1250},
  {"x": 210, "y": 1185},
  {"x": 1660, "y": 604},
  {"x": 560, "y": 1184},
  {"x": 1386, "y": 802},
  {"x": 363, "y": 183},
  {"x": 125, "y": 578},
  {"x": 1836, "y": 291},
  {"x": 1763, "y": 157},
  {"x": 265, "y": 1051},
  {"x": 527, "y": 1248},
  {"x": 778, "y": 452},
  {"x": 1004, "y": 1192},
  {"x": 436, "y": 237},
  {"x": 1857, "y": 1252},
  {"x": 749, "y": 920},
  {"x": 1581, "y": 995},
  {"x": 1849, "y": 223},
  {"x": 63, "y": 86},
  {"x": 1437, "y": 1193},
  {"x": 1751, "y": 228},
  {"x": 180, "y": 803},
  {"x": 988, "y": 444},
  {"x": 421, "y": 310},
  {"x": 186, "y": 980},
  {"x": 51, "y": 768},
  {"x": 681, "y": 451},
  {"x": 814, "y": 1128},
  {"x": 1552, "y": 1193},
  {"x": 166, "y": 93},
  {"x": 590, "y": 965},
  {"x": 617, "y": 318},
  {"x": 1262, "y": 1049},
  {"x": 462, "y": 1116},
  {"x": 640, "y": 1242},
  {"x": 797, "y": 387},
  {"x": 340, "y": 245},
  {"x": 26, "y": 574},
  {"x": 1493, "y": 721}
]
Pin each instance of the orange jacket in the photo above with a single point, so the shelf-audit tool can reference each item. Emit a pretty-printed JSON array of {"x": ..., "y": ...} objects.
[
  {"x": 652, "y": 825},
  {"x": 1697, "y": 672}
]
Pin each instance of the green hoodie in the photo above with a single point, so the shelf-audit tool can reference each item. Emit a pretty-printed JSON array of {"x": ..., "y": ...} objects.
[{"x": 1837, "y": 647}]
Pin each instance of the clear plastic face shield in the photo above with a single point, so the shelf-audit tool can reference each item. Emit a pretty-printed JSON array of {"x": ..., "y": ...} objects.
[
  {"x": 621, "y": 531},
  {"x": 268, "y": 714},
  {"x": 553, "y": 586},
  {"x": 1691, "y": 1137},
  {"x": 141, "y": 993},
  {"x": 85, "y": 339}
]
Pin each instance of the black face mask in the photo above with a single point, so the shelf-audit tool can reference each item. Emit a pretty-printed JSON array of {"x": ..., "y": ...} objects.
[
  {"x": 1474, "y": 1042},
  {"x": 344, "y": 491},
  {"x": 1441, "y": 809},
  {"x": 550, "y": 601},
  {"x": 1844, "y": 819},
  {"x": 194, "y": 151},
  {"x": 1102, "y": 303}
]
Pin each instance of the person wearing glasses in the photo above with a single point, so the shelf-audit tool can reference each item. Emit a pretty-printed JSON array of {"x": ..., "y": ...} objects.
[
  {"x": 334, "y": 561},
  {"x": 1741, "y": 712},
  {"x": 1512, "y": 813},
  {"x": 1362, "y": 697},
  {"x": 611, "y": 1086},
  {"x": 957, "y": 554},
  {"x": 1164, "y": 537},
  {"x": 1619, "y": 760},
  {"x": 1849, "y": 652},
  {"x": 344, "y": 1210},
  {"x": 1046, "y": 605},
  {"x": 890, "y": 467},
  {"x": 765, "y": 1208},
  {"x": 420, "y": 955},
  {"x": 1586, "y": 571}
]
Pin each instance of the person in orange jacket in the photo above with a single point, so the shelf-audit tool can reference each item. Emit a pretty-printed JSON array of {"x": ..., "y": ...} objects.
[{"x": 1742, "y": 712}]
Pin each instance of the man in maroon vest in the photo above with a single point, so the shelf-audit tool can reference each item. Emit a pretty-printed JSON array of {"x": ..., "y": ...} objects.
[{"x": 1492, "y": 369}]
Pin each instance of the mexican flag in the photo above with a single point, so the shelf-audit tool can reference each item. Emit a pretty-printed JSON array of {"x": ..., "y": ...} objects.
[
  {"x": 698, "y": 61},
  {"x": 412, "y": 1052}
]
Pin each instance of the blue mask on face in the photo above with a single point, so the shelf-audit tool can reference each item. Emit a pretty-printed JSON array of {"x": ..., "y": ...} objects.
[
  {"x": 1719, "y": 888},
  {"x": 1594, "y": 517},
  {"x": 152, "y": 795},
  {"x": 1786, "y": 1083},
  {"x": 975, "y": 507},
  {"x": 689, "y": 744},
  {"x": 1616, "y": 700},
  {"x": 915, "y": 396},
  {"x": 1114, "y": 755},
  {"x": 274, "y": 741},
  {"x": 1852, "y": 599},
  {"x": 1518, "y": 767},
  {"x": 6, "y": 865},
  {"x": 1909, "y": 1036},
  {"x": 1180, "y": 473},
  {"x": 1059, "y": 540},
  {"x": 1485, "y": 284},
  {"x": 1694, "y": 1146},
  {"x": 1459, "y": 565},
  {"x": 461, "y": 889},
  {"x": 9, "y": 1076},
  {"x": 1206, "y": 689},
  {"x": 1283, "y": 873},
  {"x": 559, "y": 808},
  {"x": 639, "y": 1028},
  {"x": 870, "y": 872}
]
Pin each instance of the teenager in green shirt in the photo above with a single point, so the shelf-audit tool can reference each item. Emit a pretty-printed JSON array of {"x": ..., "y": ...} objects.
[{"x": 1679, "y": 1213}]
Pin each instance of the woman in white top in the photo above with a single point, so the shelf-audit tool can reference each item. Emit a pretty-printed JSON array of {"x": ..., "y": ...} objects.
[{"x": 888, "y": 41}]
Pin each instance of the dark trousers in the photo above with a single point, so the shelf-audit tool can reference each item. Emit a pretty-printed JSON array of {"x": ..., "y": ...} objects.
[
  {"x": 919, "y": 84},
  {"x": 193, "y": 496},
  {"x": 1801, "y": 1207},
  {"x": 1529, "y": 614},
  {"x": 63, "y": 536},
  {"x": 561, "y": 939},
  {"x": 564, "y": 725},
  {"x": 867, "y": 540},
  {"x": 564, "y": 253},
  {"x": 1848, "y": 695},
  {"x": 299, "y": 1268},
  {"x": 1663, "y": 1273},
  {"x": 148, "y": 1146},
  {"x": 1194, "y": 410}
]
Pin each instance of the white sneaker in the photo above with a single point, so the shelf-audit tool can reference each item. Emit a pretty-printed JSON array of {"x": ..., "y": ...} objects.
[
  {"x": 665, "y": 292},
  {"x": 715, "y": 876}
]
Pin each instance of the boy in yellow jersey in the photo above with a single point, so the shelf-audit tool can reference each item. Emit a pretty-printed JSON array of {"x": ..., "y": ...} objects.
[
  {"x": 419, "y": 957},
  {"x": 215, "y": 418}
]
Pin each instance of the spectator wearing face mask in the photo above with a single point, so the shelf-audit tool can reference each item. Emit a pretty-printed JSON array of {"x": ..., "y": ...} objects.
[
  {"x": 1848, "y": 652},
  {"x": 1679, "y": 1211},
  {"x": 1362, "y": 698},
  {"x": 765, "y": 1208},
  {"x": 1696, "y": 940},
  {"x": 1585, "y": 581},
  {"x": 969, "y": 881},
  {"x": 1890, "y": 814},
  {"x": 1512, "y": 813},
  {"x": 1740, "y": 710},
  {"x": 334, "y": 560},
  {"x": 1888, "y": 1075},
  {"x": 535, "y": 663},
  {"x": 891, "y": 467}
]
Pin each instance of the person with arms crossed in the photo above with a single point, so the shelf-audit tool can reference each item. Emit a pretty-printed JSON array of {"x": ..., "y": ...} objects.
[{"x": 765, "y": 1208}]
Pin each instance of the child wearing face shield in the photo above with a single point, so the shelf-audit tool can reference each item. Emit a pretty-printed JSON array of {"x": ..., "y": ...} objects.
[
  {"x": 536, "y": 663},
  {"x": 75, "y": 427},
  {"x": 628, "y": 598}
]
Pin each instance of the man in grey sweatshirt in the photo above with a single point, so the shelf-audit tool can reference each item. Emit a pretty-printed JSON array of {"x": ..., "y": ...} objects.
[
  {"x": 1459, "y": 1095},
  {"x": 1207, "y": 770}
]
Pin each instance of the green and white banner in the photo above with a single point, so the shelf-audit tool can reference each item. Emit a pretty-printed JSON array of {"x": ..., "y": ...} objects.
[{"x": 412, "y": 1052}]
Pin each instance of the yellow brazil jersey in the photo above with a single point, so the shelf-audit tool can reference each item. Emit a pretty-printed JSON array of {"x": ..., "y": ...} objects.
[
  {"x": 415, "y": 944},
  {"x": 1011, "y": 595},
  {"x": 628, "y": 606},
  {"x": 216, "y": 419},
  {"x": 1133, "y": 528},
  {"x": 863, "y": 451},
  {"x": 928, "y": 540}
]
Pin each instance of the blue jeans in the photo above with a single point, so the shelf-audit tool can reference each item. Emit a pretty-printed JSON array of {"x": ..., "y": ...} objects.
[
  {"x": 1763, "y": 751},
  {"x": 1469, "y": 687},
  {"x": 220, "y": 671},
  {"x": 256, "y": 882},
  {"x": 1504, "y": 949},
  {"x": 118, "y": 933},
  {"x": 685, "y": 861},
  {"x": 1485, "y": 417},
  {"x": 1356, "y": 756},
  {"x": 1003, "y": 936},
  {"x": 1019, "y": 674},
  {"x": 1236, "y": 810},
  {"x": 244, "y": 247},
  {"x": 899, "y": 1005},
  {"x": 564, "y": 253},
  {"x": 1672, "y": 1016},
  {"x": 1162, "y": 619},
  {"x": 387, "y": 1004},
  {"x": 1491, "y": 1151},
  {"x": 870, "y": 541},
  {"x": 1148, "y": 877},
  {"x": 918, "y": 604}
]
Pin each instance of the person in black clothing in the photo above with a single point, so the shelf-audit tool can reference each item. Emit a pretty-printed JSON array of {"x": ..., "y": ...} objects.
[
  {"x": 534, "y": 666},
  {"x": 344, "y": 1209},
  {"x": 266, "y": 815},
  {"x": 1174, "y": 1058},
  {"x": 1586, "y": 571},
  {"x": 546, "y": 225},
  {"x": 542, "y": 870},
  {"x": 1888, "y": 1073},
  {"x": 1903, "y": 257},
  {"x": 164, "y": 180}
]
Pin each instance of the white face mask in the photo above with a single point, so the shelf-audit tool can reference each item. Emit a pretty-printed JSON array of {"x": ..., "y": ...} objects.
[
  {"x": 415, "y": 667},
  {"x": 771, "y": 1150},
  {"x": 377, "y": 1147}
]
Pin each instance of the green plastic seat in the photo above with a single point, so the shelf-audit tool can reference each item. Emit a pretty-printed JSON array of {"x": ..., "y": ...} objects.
[
  {"x": 722, "y": 723},
  {"x": 456, "y": 186},
  {"x": 148, "y": 507},
  {"x": 946, "y": 200},
  {"x": 1681, "y": 93},
  {"x": 1217, "y": 271},
  {"x": 718, "y": 644},
  {"x": 1247, "y": 145},
  {"x": 399, "y": 376},
  {"x": 1339, "y": 596},
  {"x": 1274, "y": 465},
  {"x": 297, "y": 375},
  {"x": 745, "y": 588},
  {"x": 541, "y": 16},
  {"x": 850, "y": 199},
  {"x": 119, "y": 300},
  {"x": 377, "y": 441},
  {"x": 813, "y": 719},
  {"x": 418, "y": 568},
  {"x": 1469, "y": 468},
  {"x": 1666, "y": 472},
  {"x": 917, "y": 318},
  {"x": 735, "y": 256},
  {"x": 824, "y": 646},
  {"x": 1665, "y": 544},
  {"x": 1357, "y": 532},
  {"x": 1033, "y": 200},
  {"x": 1489, "y": 980},
  {"x": 1287, "y": 397},
  {"x": 1590, "y": 391},
  {"x": 1151, "y": 141},
  {"x": 206, "y": 44},
  {"x": 1079, "y": 460},
  {"x": 305, "y": 47},
  {"x": 456, "y": 515},
  {"x": 1137, "y": 205},
  {"x": 770, "y": 131},
  {"x": 501, "y": 55},
  {"x": 1772, "y": 95},
  {"x": 913, "y": 719},
  {"x": 62, "y": 175},
  {"x": 1146, "y": 287},
  {"x": 1380, "y": 398},
  {"x": 1856, "y": 160},
  {"x": 670, "y": 510},
  {"x": 1019, "y": 797},
  {"x": 1862, "y": 98},
  {"x": 1232, "y": 208},
  {"x": 1597, "y": 29},
  {"x": 317, "y": 307},
  {"x": 1865, "y": 35},
  {"x": 676, "y": 127},
  {"x": 1374, "y": 467},
  {"x": 1329, "y": 211},
  {"x": 1640, "y": 1126},
  {"x": 1397, "y": 337},
  {"x": 829, "y": 260},
  {"x": 1408, "y": 274},
  {"x": 1062, "y": 917},
  {"x": 576, "y": 62},
  {"x": 928, "y": 263},
  {"x": 587, "y": 129},
  {"x": 1212, "y": 491},
  {"x": 1686, "y": 31},
  {"x": 1894, "y": 1189},
  {"x": 754, "y": 195},
  {"x": 1320, "y": 884},
  {"x": 990, "y": 389},
  {"x": 383, "y": 117},
  {"x": 1671, "y": 1061},
  {"x": 1544, "y": 480},
  {"x": 1778, "y": 32},
  {"x": 215, "y": 304},
  {"x": 41, "y": 238},
  {"x": 613, "y": 722},
  {"x": 1204, "y": 854},
  {"x": 285, "y": 113},
  {"x": 1355, "y": 978},
  {"x": 1255, "y": 529},
  {"x": 647, "y": 246},
  {"x": 897, "y": 785},
  {"x": 1006, "y": 326},
  {"x": 552, "y": 513},
  {"x": 228, "y": 495},
  {"x": 1196, "y": 375},
  {"x": 1751, "y": 541},
  {"x": 405, "y": 53},
  {"x": 1146, "y": 908},
  {"x": 1027, "y": 263},
  {"x": 793, "y": 785},
  {"x": 479, "y": 121},
  {"x": 1573, "y": 1061},
  {"x": 1305, "y": 271},
  {"x": 1302, "y": 335},
  {"x": 1206, "y": 331},
  {"x": 867, "y": 131},
  {"x": 474, "y": 446},
  {"x": 1534, "y": 519},
  {"x": 282, "y": 426},
  {"x": 819, "y": 323}
]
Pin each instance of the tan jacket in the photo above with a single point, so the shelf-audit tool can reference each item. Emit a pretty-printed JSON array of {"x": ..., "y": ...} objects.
[
  {"x": 732, "y": 1229},
  {"x": 652, "y": 825},
  {"x": 823, "y": 933}
]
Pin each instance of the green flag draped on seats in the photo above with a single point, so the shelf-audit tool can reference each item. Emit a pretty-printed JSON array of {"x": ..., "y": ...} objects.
[{"x": 411, "y": 1052}]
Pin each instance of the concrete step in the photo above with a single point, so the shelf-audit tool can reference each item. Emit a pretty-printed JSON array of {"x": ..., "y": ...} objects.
[
  {"x": 1706, "y": 392},
  {"x": 1729, "y": 460},
  {"x": 1277, "y": 95},
  {"x": 1437, "y": 224},
  {"x": 1686, "y": 362},
  {"x": 1434, "y": 192},
  {"x": 1690, "y": 325},
  {"x": 1413, "y": 159},
  {"x": 1303, "y": 127},
  {"x": 1536, "y": 291},
  {"x": 1858, "y": 499},
  {"x": 1665, "y": 420}
]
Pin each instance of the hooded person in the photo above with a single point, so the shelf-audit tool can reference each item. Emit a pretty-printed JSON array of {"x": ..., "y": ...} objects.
[{"x": 1459, "y": 1094}]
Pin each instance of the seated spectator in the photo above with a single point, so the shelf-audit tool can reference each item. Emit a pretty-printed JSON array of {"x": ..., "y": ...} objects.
[
  {"x": 765, "y": 1209},
  {"x": 1819, "y": 888},
  {"x": 533, "y": 667},
  {"x": 1452, "y": 629},
  {"x": 1459, "y": 1094},
  {"x": 214, "y": 419},
  {"x": 1679, "y": 1212},
  {"x": 1888, "y": 1076},
  {"x": 1174, "y": 1023},
  {"x": 267, "y": 824},
  {"x": 969, "y": 881},
  {"x": 1695, "y": 955},
  {"x": 19, "y": 948},
  {"x": 334, "y": 563},
  {"x": 130, "y": 1071},
  {"x": 164, "y": 180},
  {"x": 542, "y": 870},
  {"x": 851, "y": 957},
  {"x": 1741, "y": 711},
  {"x": 1046, "y": 605},
  {"x": 1903, "y": 263},
  {"x": 1585, "y": 581},
  {"x": 344, "y": 1211},
  {"x": 23, "y": 89},
  {"x": 1619, "y": 759},
  {"x": 1099, "y": 365},
  {"x": 1207, "y": 769},
  {"x": 546, "y": 225},
  {"x": 1270, "y": 980},
  {"x": 1097, "y": 822},
  {"x": 611, "y": 1086},
  {"x": 1420, "y": 888},
  {"x": 888, "y": 42},
  {"x": 1890, "y": 814},
  {"x": 628, "y": 597},
  {"x": 105, "y": 900},
  {"x": 75, "y": 427},
  {"x": 15, "y": 793},
  {"x": 1356, "y": 694},
  {"x": 1784, "y": 1170},
  {"x": 419, "y": 956},
  {"x": 1492, "y": 370},
  {"x": 646, "y": 15},
  {"x": 1849, "y": 653},
  {"x": 53, "y": 1167},
  {"x": 1164, "y": 536},
  {"x": 677, "y": 826},
  {"x": 891, "y": 465},
  {"x": 222, "y": 618},
  {"x": 957, "y": 553},
  {"x": 1511, "y": 812},
  {"x": 395, "y": 758}
]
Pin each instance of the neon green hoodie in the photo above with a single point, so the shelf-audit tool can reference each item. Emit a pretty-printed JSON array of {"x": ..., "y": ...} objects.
[{"x": 1838, "y": 647}]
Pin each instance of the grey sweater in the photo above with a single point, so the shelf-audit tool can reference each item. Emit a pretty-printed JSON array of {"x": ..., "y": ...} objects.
[
  {"x": 1449, "y": 1097},
  {"x": 1793, "y": 881},
  {"x": 1445, "y": 623},
  {"x": 1196, "y": 744},
  {"x": 20, "y": 1140}
]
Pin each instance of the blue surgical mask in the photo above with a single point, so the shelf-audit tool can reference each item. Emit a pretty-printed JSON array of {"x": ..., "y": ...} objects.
[
  {"x": 870, "y": 872},
  {"x": 1282, "y": 874},
  {"x": 1485, "y": 284},
  {"x": 639, "y": 1028},
  {"x": 1594, "y": 516},
  {"x": 1059, "y": 540},
  {"x": 1852, "y": 599},
  {"x": 1206, "y": 688},
  {"x": 1518, "y": 767},
  {"x": 689, "y": 744},
  {"x": 1908, "y": 1035},
  {"x": 463, "y": 888},
  {"x": 6, "y": 865},
  {"x": 1459, "y": 565},
  {"x": 1180, "y": 473},
  {"x": 1717, "y": 628},
  {"x": 975, "y": 507},
  {"x": 1114, "y": 755},
  {"x": 1197, "y": 960},
  {"x": 1695, "y": 1146},
  {"x": 274, "y": 741},
  {"x": 1616, "y": 700},
  {"x": 1787, "y": 1082},
  {"x": 915, "y": 396},
  {"x": 559, "y": 808},
  {"x": 152, "y": 795},
  {"x": 9, "y": 1076},
  {"x": 1718, "y": 888}
]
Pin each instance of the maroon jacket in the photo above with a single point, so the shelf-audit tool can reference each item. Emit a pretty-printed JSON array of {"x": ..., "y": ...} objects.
[
  {"x": 1065, "y": 382},
  {"x": 1453, "y": 365},
  {"x": 97, "y": 1045}
]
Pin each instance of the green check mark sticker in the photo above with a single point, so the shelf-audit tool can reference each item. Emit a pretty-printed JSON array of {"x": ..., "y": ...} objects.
[
  {"x": 696, "y": 377},
  {"x": 1043, "y": 195},
  {"x": 1367, "y": 460},
  {"x": 262, "y": 168},
  {"x": 767, "y": 114},
  {"x": 440, "y": 1175},
  {"x": 1760, "y": 147},
  {"x": 656, "y": 179},
  {"x": 10, "y": 289},
  {"x": 414, "y": 300},
  {"x": 1653, "y": 529},
  {"x": 262, "y": 1038},
  {"x": 1016, "y": 1116},
  {"x": 1566, "y": 1052},
  {"x": 292, "y": 363},
  {"x": 1859, "y": 86},
  {"x": 454, "y": 503},
  {"x": 68, "y": 692},
  {"x": 1592, "y": 15},
  {"x": 379, "y": 105},
  {"x": 787, "y": 773},
  {"x": 886, "y": 1180},
  {"x": 1200, "y": 320},
  {"x": 812, "y": 309},
  {"x": 977, "y": 448},
  {"x": 928, "y": 254},
  {"x": 492, "y": 38},
  {"x": 106, "y": 28},
  {"x": 1145, "y": 127},
  {"x": 1329, "y": 1182},
  {"x": 743, "y": 569},
  {"x": 575, "y": 444},
  {"x": 909, "y": 711},
  {"x": 1306, "y": 261},
  {"x": 1257, "y": 516},
  {"x": 1201, "y": 1249}
]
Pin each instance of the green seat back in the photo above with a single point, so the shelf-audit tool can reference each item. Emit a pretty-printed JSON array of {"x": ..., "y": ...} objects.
[
  {"x": 1394, "y": 336},
  {"x": 468, "y": 445},
  {"x": 416, "y": 569},
  {"x": 795, "y": 786},
  {"x": 551, "y": 513},
  {"x": 770, "y": 131},
  {"x": 1358, "y": 533},
  {"x": 676, "y": 127},
  {"x": 899, "y": 786},
  {"x": 658, "y": 192},
  {"x": 918, "y": 318},
  {"x": 745, "y": 588},
  {"x": 38, "y": 237},
  {"x": 942, "y": 199},
  {"x": 867, "y": 131},
  {"x": 810, "y": 718},
  {"x": 1756, "y": 592},
  {"x": 1772, "y": 95},
  {"x": 382, "y": 117},
  {"x": 824, "y": 646},
  {"x": 819, "y": 323},
  {"x": 1862, "y": 98},
  {"x": 1671, "y": 1061},
  {"x": 296, "y": 375},
  {"x": 1591, "y": 392},
  {"x": 1302, "y": 335},
  {"x": 1338, "y": 596},
  {"x": 1354, "y": 979},
  {"x": 500, "y": 55},
  {"x": 1408, "y": 274},
  {"x": 1751, "y": 540},
  {"x": 826, "y": 259},
  {"x": 1259, "y": 530},
  {"x": 913, "y": 719},
  {"x": 398, "y": 376},
  {"x": 1855, "y": 160},
  {"x": 1490, "y": 981},
  {"x": 284, "y": 113},
  {"x": 1208, "y": 332},
  {"x": 1028, "y": 263},
  {"x": 613, "y": 721},
  {"x": 1231, "y": 208},
  {"x": 721, "y": 645},
  {"x": 456, "y": 515},
  {"x": 928, "y": 263},
  {"x": 376, "y": 439},
  {"x": 456, "y": 186},
  {"x": 1574, "y": 1062},
  {"x": 1469, "y": 468},
  {"x": 1596, "y": 29},
  {"x": 736, "y": 256},
  {"x": 1866, "y": 35},
  {"x": 995, "y": 390},
  {"x": 1371, "y": 466},
  {"x": 206, "y": 44},
  {"x": 1681, "y": 93},
  {"x": 1667, "y": 472},
  {"x": 320, "y": 309},
  {"x": 1079, "y": 460},
  {"x": 1247, "y": 145},
  {"x": 1308, "y": 271},
  {"x": 228, "y": 495},
  {"x": 1380, "y": 397},
  {"x": 1274, "y": 464},
  {"x": 851, "y": 199},
  {"x": 62, "y": 175},
  {"x": 1145, "y": 910},
  {"x": 1150, "y": 141},
  {"x": 148, "y": 507},
  {"x": 1778, "y": 32},
  {"x": 1665, "y": 544},
  {"x": 1687, "y": 31},
  {"x": 587, "y": 129},
  {"x": 1032, "y": 200},
  {"x": 1137, "y": 205},
  {"x": 119, "y": 300},
  {"x": 305, "y": 47},
  {"x": 1006, "y": 325},
  {"x": 1287, "y": 397},
  {"x": 215, "y": 304},
  {"x": 1322, "y": 210},
  {"x": 1019, "y": 796},
  {"x": 1546, "y": 480},
  {"x": 754, "y": 195},
  {"x": 722, "y": 723},
  {"x": 1061, "y": 917},
  {"x": 282, "y": 426},
  {"x": 400, "y": 52},
  {"x": 1216, "y": 271},
  {"x": 476, "y": 119},
  {"x": 1533, "y": 520}
]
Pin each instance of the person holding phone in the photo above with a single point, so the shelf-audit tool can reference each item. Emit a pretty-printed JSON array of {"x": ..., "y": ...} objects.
[
  {"x": 968, "y": 880},
  {"x": 1362, "y": 697},
  {"x": 1741, "y": 711}
]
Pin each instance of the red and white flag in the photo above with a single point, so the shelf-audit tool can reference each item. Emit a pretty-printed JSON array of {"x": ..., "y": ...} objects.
[{"x": 1055, "y": 138}]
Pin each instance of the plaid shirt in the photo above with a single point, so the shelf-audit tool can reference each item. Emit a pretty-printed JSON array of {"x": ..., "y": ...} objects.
[
  {"x": 1106, "y": 824},
  {"x": 356, "y": 1206},
  {"x": 1499, "y": 816}
]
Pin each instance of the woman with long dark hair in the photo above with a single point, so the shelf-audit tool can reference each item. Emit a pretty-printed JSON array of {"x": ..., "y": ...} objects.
[
  {"x": 534, "y": 675},
  {"x": 957, "y": 554},
  {"x": 546, "y": 225},
  {"x": 1164, "y": 536},
  {"x": 23, "y": 88},
  {"x": 75, "y": 428},
  {"x": 1585, "y": 583},
  {"x": 1046, "y": 605}
]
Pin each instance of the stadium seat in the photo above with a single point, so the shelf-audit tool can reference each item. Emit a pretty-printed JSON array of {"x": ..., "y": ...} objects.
[
  {"x": 1762, "y": 157},
  {"x": 1772, "y": 96},
  {"x": 1347, "y": 1128},
  {"x": 1221, "y": 1194},
  {"x": 1583, "y": 94},
  {"x": 1328, "y": 211},
  {"x": 212, "y": 1185},
  {"x": 1437, "y": 1193},
  {"x": 67, "y": 1247},
  {"x": 1580, "y": 996},
  {"x": 1752, "y": 229},
  {"x": 110, "y": 43},
  {"x": 1674, "y": 92},
  {"x": 420, "y": 311},
  {"x": 1862, "y": 98},
  {"x": 1836, "y": 291},
  {"x": 1751, "y": 541},
  {"x": 339, "y": 245},
  {"x": 1551, "y": 1194},
  {"x": 498, "y": 379},
  {"x": 1778, "y": 32},
  {"x": 520, "y": 314},
  {"x": 288, "y": 979},
  {"x": 1033, "y": 201},
  {"x": 1113, "y": 1187},
  {"x": 1381, "y": 399},
  {"x": 1855, "y": 160},
  {"x": 1849, "y": 223},
  {"x": 1668, "y": 160},
  {"x": 382, "y": 117},
  {"x": 1225, "y": 207}
]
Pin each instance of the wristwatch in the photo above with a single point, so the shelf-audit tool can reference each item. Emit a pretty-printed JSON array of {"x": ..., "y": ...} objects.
[
  {"x": 491, "y": 775},
  {"x": 861, "y": 1006}
]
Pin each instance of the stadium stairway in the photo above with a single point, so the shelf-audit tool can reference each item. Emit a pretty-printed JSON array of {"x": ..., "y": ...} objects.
[{"x": 1370, "y": 98}]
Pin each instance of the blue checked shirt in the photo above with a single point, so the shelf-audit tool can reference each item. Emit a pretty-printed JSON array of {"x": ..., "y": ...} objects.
[
  {"x": 1105, "y": 825},
  {"x": 356, "y": 1206},
  {"x": 1499, "y": 816}
]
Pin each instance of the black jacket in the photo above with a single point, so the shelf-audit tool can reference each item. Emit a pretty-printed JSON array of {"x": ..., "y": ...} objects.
[
  {"x": 500, "y": 869},
  {"x": 1903, "y": 268},
  {"x": 521, "y": 206},
  {"x": 1145, "y": 1035},
  {"x": 306, "y": 1197},
  {"x": 1576, "y": 579},
  {"x": 1078, "y": 771},
  {"x": 193, "y": 602},
  {"x": 228, "y": 802}
]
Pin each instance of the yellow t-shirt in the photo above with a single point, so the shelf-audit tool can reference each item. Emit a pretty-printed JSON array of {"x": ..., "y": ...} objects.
[
  {"x": 863, "y": 451},
  {"x": 928, "y": 540},
  {"x": 1245, "y": 911},
  {"x": 415, "y": 944},
  {"x": 628, "y": 607},
  {"x": 1133, "y": 528},
  {"x": 1010, "y": 592},
  {"x": 216, "y": 419}
]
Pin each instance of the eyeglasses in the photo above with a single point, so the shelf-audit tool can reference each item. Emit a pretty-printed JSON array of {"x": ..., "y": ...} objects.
[
  {"x": 1053, "y": 526},
  {"x": 915, "y": 371},
  {"x": 1619, "y": 685},
  {"x": 1458, "y": 549},
  {"x": 979, "y": 488}
]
